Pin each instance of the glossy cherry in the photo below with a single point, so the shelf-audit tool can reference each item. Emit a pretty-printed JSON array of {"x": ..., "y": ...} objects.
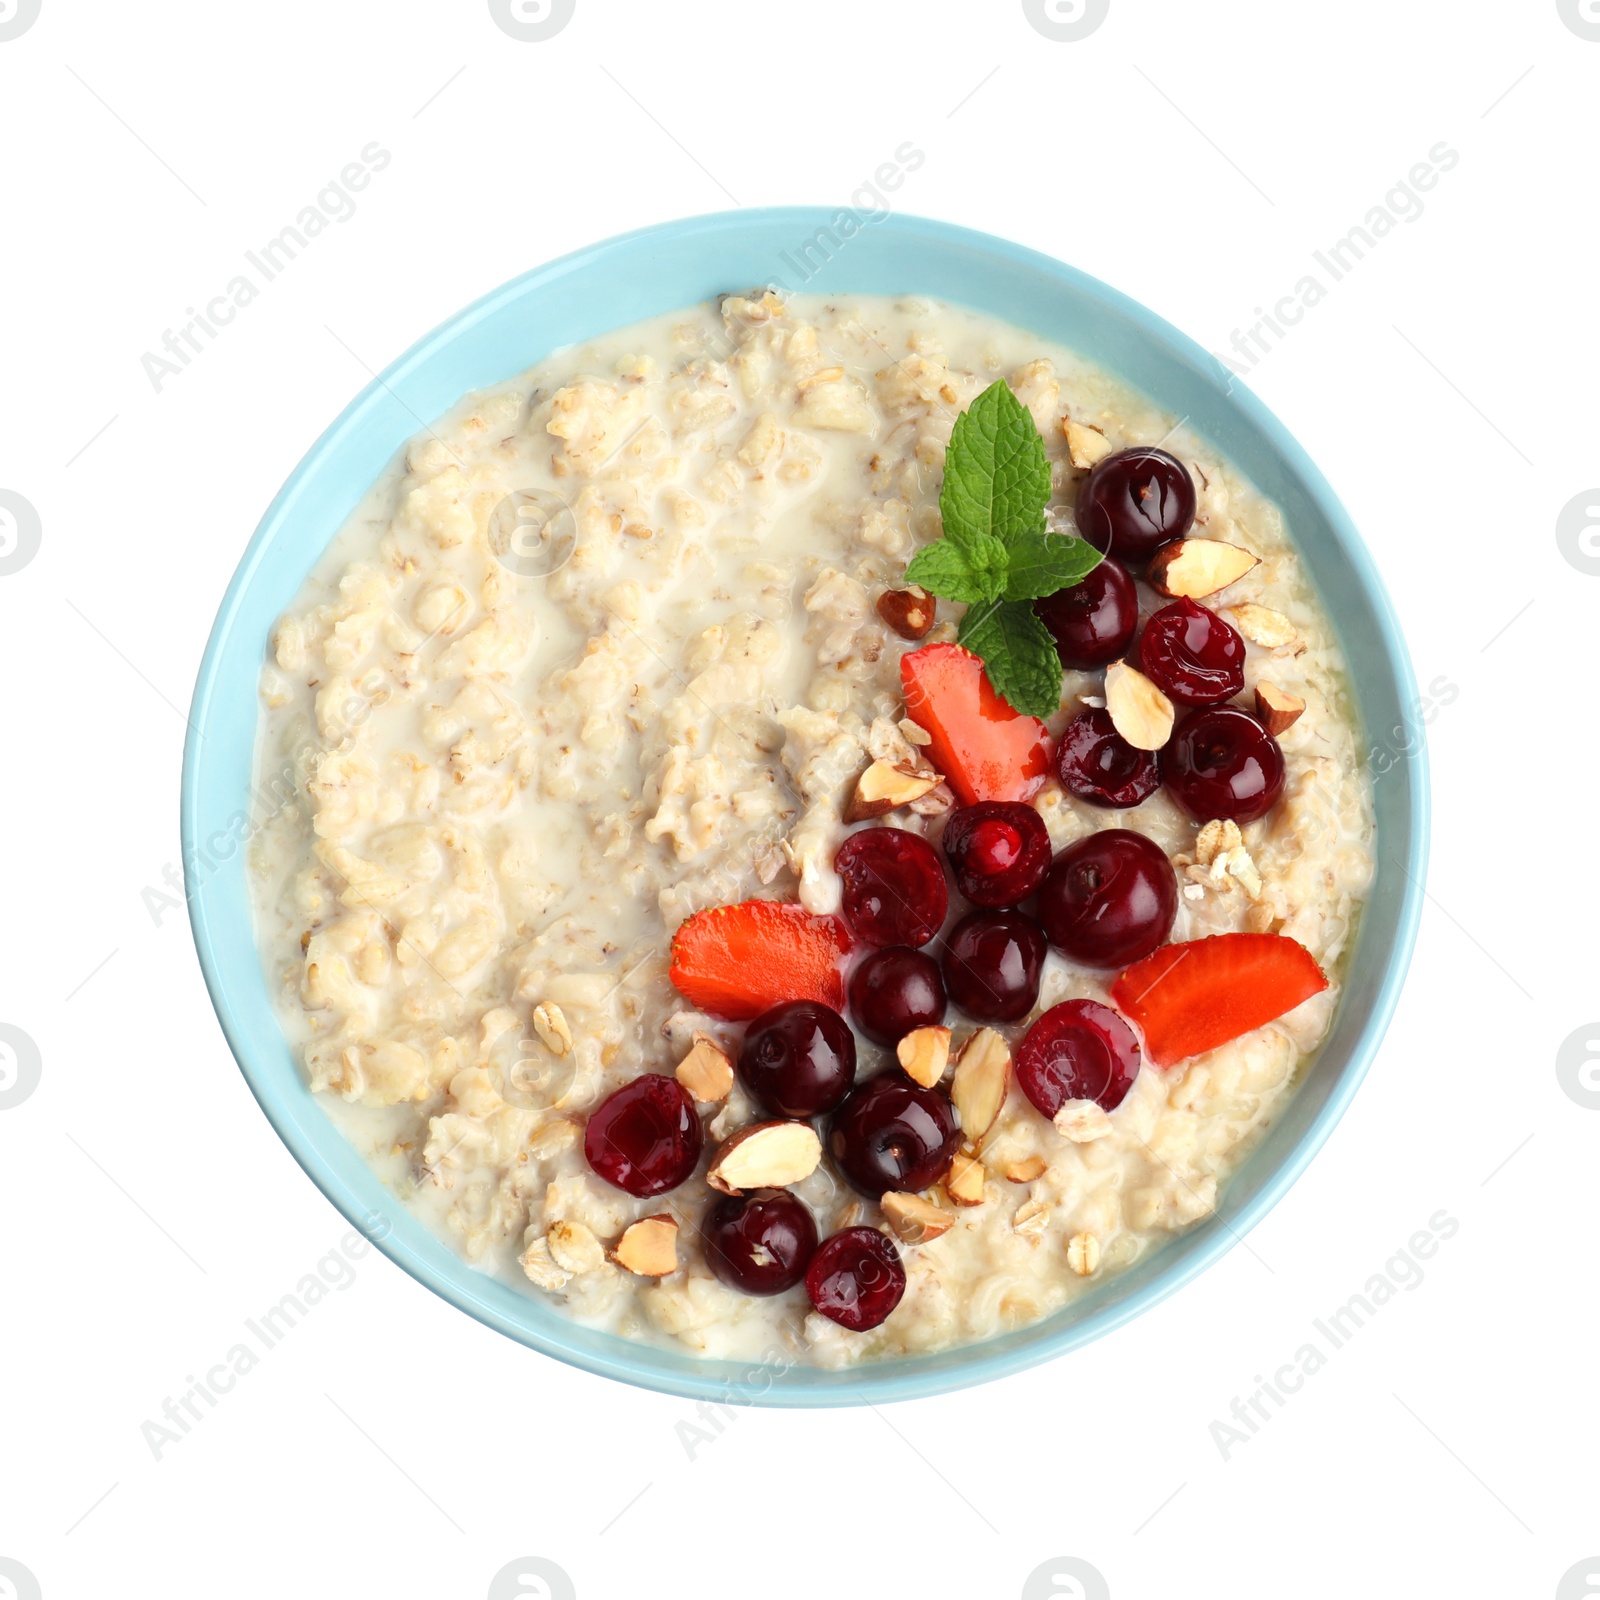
[
  {"x": 1092, "y": 623},
  {"x": 1095, "y": 763},
  {"x": 1221, "y": 763},
  {"x": 1135, "y": 501},
  {"x": 999, "y": 851},
  {"x": 894, "y": 991},
  {"x": 1078, "y": 1050},
  {"x": 644, "y": 1138},
  {"x": 759, "y": 1242},
  {"x": 856, "y": 1278},
  {"x": 894, "y": 886},
  {"x": 798, "y": 1059},
  {"x": 1110, "y": 899},
  {"x": 992, "y": 962},
  {"x": 892, "y": 1133},
  {"x": 1191, "y": 655}
]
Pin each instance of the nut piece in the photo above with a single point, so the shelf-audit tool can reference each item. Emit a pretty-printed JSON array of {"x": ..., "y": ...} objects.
[
  {"x": 574, "y": 1248},
  {"x": 766, "y": 1155},
  {"x": 1263, "y": 626},
  {"x": 1083, "y": 1254},
  {"x": 1277, "y": 708},
  {"x": 1139, "y": 711},
  {"x": 924, "y": 1053},
  {"x": 965, "y": 1179},
  {"x": 978, "y": 1089},
  {"x": 884, "y": 786},
  {"x": 550, "y": 1023},
  {"x": 1025, "y": 1171},
  {"x": 706, "y": 1072},
  {"x": 1032, "y": 1218},
  {"x": 1081, "y": 1121},
  {"x": 1085, "y": 445},
  {"x": 1193, "y": 568},
  {"x": 649, "y": 1248},
  {"x": 911, "y": 611},
  {"x": 913, "y": 1220}
]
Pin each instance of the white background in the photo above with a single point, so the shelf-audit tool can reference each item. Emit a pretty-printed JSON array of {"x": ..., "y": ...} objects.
[{"x": 1191, "y": 154}]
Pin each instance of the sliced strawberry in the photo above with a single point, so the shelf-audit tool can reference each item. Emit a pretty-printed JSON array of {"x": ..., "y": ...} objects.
[
  {"x": 736, "y": 961},
  {"x": 986, "y": 750},
  {"x": 1189, "y": 998}
]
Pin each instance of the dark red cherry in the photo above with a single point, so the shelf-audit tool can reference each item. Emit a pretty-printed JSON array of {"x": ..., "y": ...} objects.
[
  {"x": 992, "y": 962},
  {"x": 1095, "y": 763},
  {"x": 1078, "y": 1050},
  {"x": 1191, "y": 655},
  {"x": 894, "y": 886},
  {"x": 1135, "y": 501},
  {"x": 894, "y": 991},
  {"x": 856, "y": 1279},
  {"x": 1092, "y": 623},
  {"x": 1222, "y": 763},
  {"x": 759, "y": 1242},
  {"x": 1110, "y": 899},
  {"x": 999, "y": 850},
  {"x": 798, "y": 1059},
  {"x": 892, "y": 1133},
  {"x": 645, "y": 1137}
]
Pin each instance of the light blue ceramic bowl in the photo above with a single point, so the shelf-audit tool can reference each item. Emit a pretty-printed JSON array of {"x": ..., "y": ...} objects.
[{"x": 639, "y": 275}]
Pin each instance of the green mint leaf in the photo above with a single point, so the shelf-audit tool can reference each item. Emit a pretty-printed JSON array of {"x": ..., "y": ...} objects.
[
  {"x": 1041, "y": 563},
  {"x": 971, "y": 571},
  {"x": 996, "y": 474},
  {"x": 1018, "y": 654}
]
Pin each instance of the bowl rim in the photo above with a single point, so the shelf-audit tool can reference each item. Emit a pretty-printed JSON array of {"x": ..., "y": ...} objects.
[{"x": 890, "y": 1380}]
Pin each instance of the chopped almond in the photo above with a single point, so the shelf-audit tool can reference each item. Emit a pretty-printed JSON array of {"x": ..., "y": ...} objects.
[
  {"x": 649, "y": 1248},
  {"x": 767, "y": 1155},
  {"x": 884, "y": 787},
  {"x": 1262, "y": 625},
  {"x": 1193, "y": 568},
  {"x": 911, "y": 611},
  {"x": 913, "y": 1220},
  {"x": 706, "y": 1072},
  {"x": 1139, "y": 711},
  {"x": 1277, "y": 708},
  {"x": 965, "y": 1179},
  {"x": 924, "y": 1053},
  {"x": 982, "y": 1076},
  {"x": 1085, "y": 445},
  {"x": 1025, "y": 1171}
]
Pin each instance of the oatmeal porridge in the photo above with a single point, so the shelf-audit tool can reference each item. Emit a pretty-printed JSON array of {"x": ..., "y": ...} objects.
[{"x": 753, "y": 873}]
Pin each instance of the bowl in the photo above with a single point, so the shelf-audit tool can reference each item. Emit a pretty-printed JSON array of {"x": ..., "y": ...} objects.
[{"x": 639, "y": 275}]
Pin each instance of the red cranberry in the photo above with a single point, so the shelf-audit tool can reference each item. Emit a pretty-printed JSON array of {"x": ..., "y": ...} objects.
[
  {"x": 645, "y": 1137},
  {"x": 894, "y": 888},
  {"x": 1093, "y": 621},
  {"x": 759, "y": 1242},
  {"x": 1078, "y": 1050},
  {"x": 892, "y": 1133},
  {"x": 1222, "y": 763},
  {"x": 1095, "y": 763},
  {"x": 894, "y": 991},
  {"x": 1191, "y": 655},
  {"x": 1110, "y": 899},
  {"x": 999, "y": 850},
  {"x": 856, "y": 1279},
  {"x": 992, "y": 961},
  {"x": 1135, "y": 501},
  {"x": 798, "y": 1059}
]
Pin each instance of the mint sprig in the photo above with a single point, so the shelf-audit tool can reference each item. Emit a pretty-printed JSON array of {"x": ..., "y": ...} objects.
[{"x": 995, "y": 555}]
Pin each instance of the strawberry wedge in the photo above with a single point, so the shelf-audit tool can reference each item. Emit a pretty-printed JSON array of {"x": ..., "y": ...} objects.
[
  {"x": 985, "y": 750},
  {"x": 1190, "y": 998},
  {"x": 736, "y": 961}
]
